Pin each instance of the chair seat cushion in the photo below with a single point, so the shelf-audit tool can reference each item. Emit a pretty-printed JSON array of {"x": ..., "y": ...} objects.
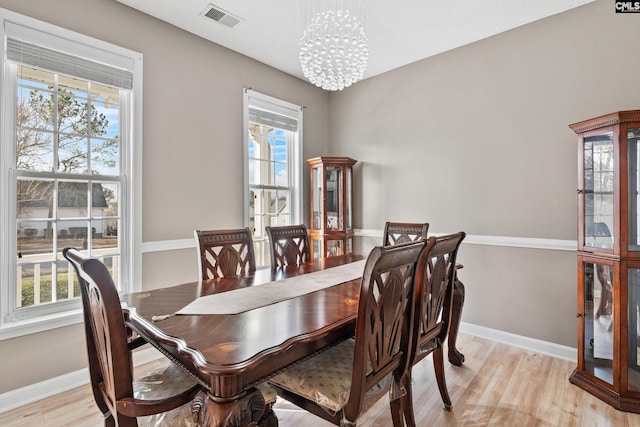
[
  {"x": 163, "y": 382},
  {"x": 324, "y": 379},
  {"x": 269, "y": 393}
]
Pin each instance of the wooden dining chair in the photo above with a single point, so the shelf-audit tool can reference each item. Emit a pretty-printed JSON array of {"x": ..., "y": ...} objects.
[
  {"x": 402, "y": 232},
  {"x": 434, "y": 285},
  {"x": 225, "y": 253},
  {"x": 288, "y": 244},
  {"x": 340, "y": 383},
  {"x": 161, "y": 398}
]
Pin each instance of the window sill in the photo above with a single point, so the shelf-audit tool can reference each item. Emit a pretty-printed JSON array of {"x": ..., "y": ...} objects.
[{"x": 40, "y": 324}]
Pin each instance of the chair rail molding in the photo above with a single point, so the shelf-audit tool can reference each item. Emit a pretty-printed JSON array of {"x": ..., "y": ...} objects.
[{"x": 509, "y": 241}]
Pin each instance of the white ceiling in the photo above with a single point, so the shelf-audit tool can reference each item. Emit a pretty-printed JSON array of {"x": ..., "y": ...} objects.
[{"x": 399, "y": 31}]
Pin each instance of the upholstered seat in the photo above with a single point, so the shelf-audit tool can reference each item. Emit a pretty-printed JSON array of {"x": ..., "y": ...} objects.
[
  {"x": 159, "y": 383},
  {"x": 403, "y": 232},
  {"x": 325, "y": 378},
  {"x": 288, "y": 244},
  {"x": 342, "y": 382}
]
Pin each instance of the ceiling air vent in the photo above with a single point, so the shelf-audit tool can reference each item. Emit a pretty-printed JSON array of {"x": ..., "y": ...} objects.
[{"x": 220, "y": 15}]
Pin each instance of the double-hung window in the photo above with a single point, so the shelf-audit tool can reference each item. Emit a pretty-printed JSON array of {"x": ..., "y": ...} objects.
[
  {"x": 273, "y": 166},
  {"x": 66, "y": 156}
]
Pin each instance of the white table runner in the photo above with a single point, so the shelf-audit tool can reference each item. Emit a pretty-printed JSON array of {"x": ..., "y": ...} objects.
[{"x": 245, "y": 299}]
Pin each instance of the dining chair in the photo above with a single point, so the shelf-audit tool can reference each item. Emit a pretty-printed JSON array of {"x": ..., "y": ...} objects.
[
  {"x": 225, "y": 253},
  {"x": 434, "y": 285},
  {"x": 288, "y": 245},
  {"x": 402, "y": 232},
  {"x": 161, "y": 398},
  {"x": 341, "y": 383}
]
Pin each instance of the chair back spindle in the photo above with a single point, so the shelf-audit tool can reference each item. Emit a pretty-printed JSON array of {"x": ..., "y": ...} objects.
[
  {"x": 289, "y": 245},
  {"x": 403, "y": 232},
  {"x": 225, "y": 253}
]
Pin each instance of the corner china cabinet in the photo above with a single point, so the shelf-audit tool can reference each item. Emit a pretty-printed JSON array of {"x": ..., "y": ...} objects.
[
  {"x": 609, "y": 259},
  {"x": 331, "y": 227}
]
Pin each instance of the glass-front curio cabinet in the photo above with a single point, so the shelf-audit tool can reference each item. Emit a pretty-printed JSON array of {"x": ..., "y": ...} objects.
[
  {"x": 331, "y": 228},
  {"x": 609, "y": 259}
]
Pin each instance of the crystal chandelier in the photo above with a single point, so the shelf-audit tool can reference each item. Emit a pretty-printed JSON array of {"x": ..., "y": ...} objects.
[{"x": 333, "y": 47}]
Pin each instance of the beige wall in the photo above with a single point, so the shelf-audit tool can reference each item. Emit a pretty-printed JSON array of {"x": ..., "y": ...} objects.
[
  {"x": 192, "y": 150},
  {"x": 477, "y": 139}
]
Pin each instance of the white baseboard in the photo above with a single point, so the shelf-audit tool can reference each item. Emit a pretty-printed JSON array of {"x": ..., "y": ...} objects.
[
  {"x": 34, "y": 392},
  {"x": 525, "y": 343}
]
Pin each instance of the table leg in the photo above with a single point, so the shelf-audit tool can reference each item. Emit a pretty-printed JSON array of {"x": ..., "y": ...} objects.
[
  {"x": 455, "y": 357},
  {"x": 250, "y": 410}
]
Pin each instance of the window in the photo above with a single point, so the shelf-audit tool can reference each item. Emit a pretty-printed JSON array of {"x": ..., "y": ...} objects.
[
  {"x": 273, "y": 167},
  {"x": 66, "y": 157}
]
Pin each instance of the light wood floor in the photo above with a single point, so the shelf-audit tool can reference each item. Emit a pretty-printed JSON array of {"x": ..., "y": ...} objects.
[{"x": 498, "y": 385}]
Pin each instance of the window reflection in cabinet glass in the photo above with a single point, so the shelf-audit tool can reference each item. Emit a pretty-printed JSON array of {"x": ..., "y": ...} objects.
[
  {"x": 598, "y": 186},
  {"x": 317, "y": 248},
  {"x": 316, "y": 192},
  {"x": 633, "y": 369},
  {"x": 598, "y": 321},
  {"x": 348, "y": 206},
  {"x": 633, "y": 138},
  {"x": 334, "y": 248},
  {"x": 334, "y": 196}
]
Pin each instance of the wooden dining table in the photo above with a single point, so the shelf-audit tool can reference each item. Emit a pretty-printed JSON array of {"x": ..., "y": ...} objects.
[{"x": 230, "y": 354}]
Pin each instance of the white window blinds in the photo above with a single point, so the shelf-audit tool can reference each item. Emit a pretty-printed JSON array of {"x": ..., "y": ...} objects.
[
  {"x": 40, "y": 57},
  {"x": 270, "y": 114},
  {"x": 85, "y": 58}
]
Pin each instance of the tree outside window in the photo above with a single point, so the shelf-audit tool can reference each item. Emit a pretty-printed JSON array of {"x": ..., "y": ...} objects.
[{"x": 67, "y": 180}]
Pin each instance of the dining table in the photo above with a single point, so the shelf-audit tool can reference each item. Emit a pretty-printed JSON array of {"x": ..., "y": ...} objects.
[{"x": 234, "y": 333}]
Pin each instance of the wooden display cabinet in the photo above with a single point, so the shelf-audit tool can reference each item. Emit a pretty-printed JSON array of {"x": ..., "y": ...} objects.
[
  {"x": 609, "y": 259},
  {"x": 331, "y": 228}
]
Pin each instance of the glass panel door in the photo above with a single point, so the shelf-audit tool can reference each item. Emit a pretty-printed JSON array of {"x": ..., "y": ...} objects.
[
  {"x": 334, "y": 198},
  {"x": 316, "y": 190},
  {"x": 334, "y": 248},
  {"x": 633, "y": 368},
  {"x": 348, "y": 201},
  {"x": 598, "y": 187},
  {"x": 633, "y": 140},
  {"x": 598, "y": 320}
]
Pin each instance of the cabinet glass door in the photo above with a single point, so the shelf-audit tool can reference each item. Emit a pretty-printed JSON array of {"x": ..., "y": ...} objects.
[
  {"x": 334, "y": 198},
  {"x": 598, "y": 320},
  {"x": 633, "y": 295},
  {"x": 334, "y": 248},
  {"x": 598, "y": 190},
  {"x": 316, "y": 191},
  {"x": 633, "y": 140},
  {"x": 348, "y": 198}
]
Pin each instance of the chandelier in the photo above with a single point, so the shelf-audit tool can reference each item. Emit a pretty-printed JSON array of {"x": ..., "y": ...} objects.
[{"x": 333, "y": 47}]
